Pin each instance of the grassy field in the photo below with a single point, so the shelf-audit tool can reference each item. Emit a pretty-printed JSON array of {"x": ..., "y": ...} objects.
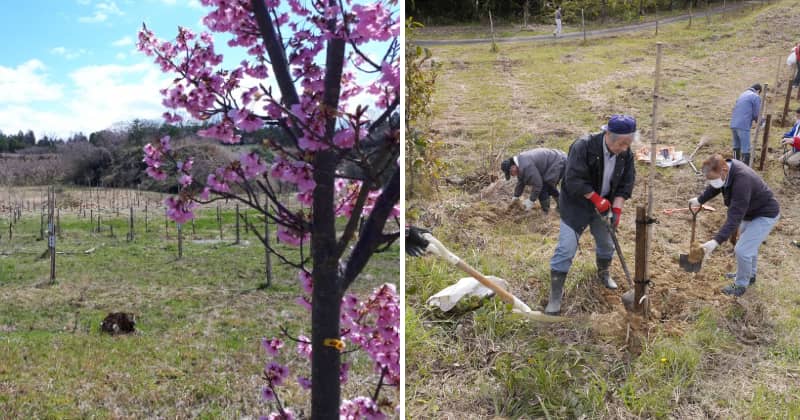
[
  {"x": 701, "y": 354},
  {"x": 197, "y": 351}
]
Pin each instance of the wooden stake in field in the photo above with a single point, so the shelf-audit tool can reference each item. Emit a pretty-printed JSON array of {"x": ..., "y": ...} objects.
[
  {"x": 130, "y": 226},
  {"x": 583, "y": 25},
  {"x": 180, "y": 240},
  {"x": 237, "y": 225},
  {"x": 166, "y": 224},
  {"x": 146, "y": 229},
  {"x": 267, "y": 258},
  {"x": 764, "y": 144},
  {"x": 51, "y": 242},
  {"x": 642, "y": 257},
  {"x": 219, "y": 221},
  {"x": 761, "y": 113},
  {"x": 786, "y": 103},
  {"x": 491, "y": 29}
]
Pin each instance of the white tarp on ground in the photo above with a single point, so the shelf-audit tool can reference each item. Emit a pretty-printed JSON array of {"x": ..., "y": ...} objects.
[{"x": 448, "y": 297}]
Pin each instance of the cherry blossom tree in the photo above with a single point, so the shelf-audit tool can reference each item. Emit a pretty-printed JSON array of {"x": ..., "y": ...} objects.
[{"x": 310, "y": 69}]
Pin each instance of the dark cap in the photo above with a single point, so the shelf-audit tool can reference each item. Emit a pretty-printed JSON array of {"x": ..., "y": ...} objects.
[
  {"x": 506, "y": 167},
  {"x": 621, "y": 124},
  {"x": 756, "y": 87}
]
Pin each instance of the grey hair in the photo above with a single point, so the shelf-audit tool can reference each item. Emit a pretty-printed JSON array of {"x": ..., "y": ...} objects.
[{"x": 613, "y": 137}]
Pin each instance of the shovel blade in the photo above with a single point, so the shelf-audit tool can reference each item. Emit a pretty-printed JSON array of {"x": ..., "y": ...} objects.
[{"x": 689, "y": 266}]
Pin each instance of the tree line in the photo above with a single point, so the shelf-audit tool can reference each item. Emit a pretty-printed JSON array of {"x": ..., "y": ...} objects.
[
  {"x": 542, "y": 11},
  {"x": 113, "y": 157}
]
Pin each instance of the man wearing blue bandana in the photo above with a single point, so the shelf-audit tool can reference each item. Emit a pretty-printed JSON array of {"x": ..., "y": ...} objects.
[{"x": 599, "y": 177}]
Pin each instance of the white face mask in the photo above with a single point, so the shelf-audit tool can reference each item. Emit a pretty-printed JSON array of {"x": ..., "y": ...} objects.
[{"x": 716, "y": 183}]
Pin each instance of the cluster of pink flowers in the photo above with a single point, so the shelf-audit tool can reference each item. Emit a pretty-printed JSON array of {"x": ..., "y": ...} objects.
[
  {"x": 373, "y": 325},
  {"x": 360, "y": 408},
  {"x": 347, "y": 195},
  {"x": 154, "y": 155}
]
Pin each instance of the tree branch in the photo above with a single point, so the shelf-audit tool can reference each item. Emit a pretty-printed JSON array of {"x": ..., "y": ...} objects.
[
  {"x": 352, "y": 224},
  {"x": 372, "y": 234},
  {"x": 276, "y": 52}
]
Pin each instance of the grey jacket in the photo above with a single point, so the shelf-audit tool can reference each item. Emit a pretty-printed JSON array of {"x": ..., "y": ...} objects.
[{"x": 538, "y": 167}]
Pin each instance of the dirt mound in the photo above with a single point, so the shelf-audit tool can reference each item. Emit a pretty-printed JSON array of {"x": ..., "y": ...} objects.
[{"x": 118, "y": 323}]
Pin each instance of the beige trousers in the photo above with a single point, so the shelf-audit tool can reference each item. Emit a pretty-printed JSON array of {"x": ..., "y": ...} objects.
[{"x": 792, "y": 158}]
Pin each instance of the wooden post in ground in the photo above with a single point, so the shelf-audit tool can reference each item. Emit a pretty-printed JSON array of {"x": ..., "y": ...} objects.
[
  {"x": 41, "y": 226},
  {"x": 761, "y": 113},
  {"x": 58, "y": 222},
  {"x": 51, "y": 243},
  {"x": 180, "y": 240},
  {"x": 764, "y": 144},
  {"x": 246, "y": 224},
  {"x": 640, "y": 271},
  {"x": 146, "y": 230},
  {"x": 786, "y": 104},
  {"x": 491, "y": 29},
  {"x": 690, "y": 14},
  {"x": 166, "y": 224},
  {"x": 219, "y": 221},
  {"x": 645, "y": 226},
  {"x": 583, "y": 25},
  {"x": 267, "y": 258},
  {"x": 130, "y": 226},
  {"x": 237, "y": 224},
  {"x": 194, "y": 230}
]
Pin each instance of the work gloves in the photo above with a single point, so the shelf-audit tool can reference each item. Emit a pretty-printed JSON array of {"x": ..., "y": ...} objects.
[
  {"x": 601, "y": 204},
  {"x": 694, "y": 202},
  {"x": 528, "y": 204},
  {"x": 792, "y": 141},
  {"x": 416, "y": 245},
  {"x": 709, "y": 247},
  {"x": 616, "y": 213},
  {"x": 514, "y": 199}
]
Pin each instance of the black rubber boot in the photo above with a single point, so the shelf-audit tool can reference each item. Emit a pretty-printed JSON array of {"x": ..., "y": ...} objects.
[
  {"x": 604, "y": 274},
  {"x": 746, "y": 158},
  {"x": 557, "y": 280},
  {"x": 736, "y": 154}
]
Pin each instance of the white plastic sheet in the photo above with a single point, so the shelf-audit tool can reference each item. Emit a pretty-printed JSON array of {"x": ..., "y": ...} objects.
[{"x": 448, "y": 297}]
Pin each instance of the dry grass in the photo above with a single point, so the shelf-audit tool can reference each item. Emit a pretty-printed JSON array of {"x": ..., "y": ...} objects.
[{"x": 725, "y": 357}]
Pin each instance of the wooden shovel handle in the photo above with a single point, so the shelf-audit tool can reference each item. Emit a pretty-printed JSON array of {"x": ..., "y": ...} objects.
[{"x": 499, "y": 291}]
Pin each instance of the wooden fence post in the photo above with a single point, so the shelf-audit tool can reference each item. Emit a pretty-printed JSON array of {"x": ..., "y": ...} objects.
[{"x": 764, "y": 144}]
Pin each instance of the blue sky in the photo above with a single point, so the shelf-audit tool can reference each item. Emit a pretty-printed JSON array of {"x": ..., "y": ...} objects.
[{"x": 71, "y": 66}]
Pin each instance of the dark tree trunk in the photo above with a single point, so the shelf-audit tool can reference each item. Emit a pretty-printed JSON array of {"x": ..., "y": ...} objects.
[{"x": 325, "y": 361}]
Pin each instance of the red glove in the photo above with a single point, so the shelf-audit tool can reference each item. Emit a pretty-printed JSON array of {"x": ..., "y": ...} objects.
[
  {"x": 796, "y": 143},
  {"x": 601, "y": 204},
  {"x": 616, "y": 213}
]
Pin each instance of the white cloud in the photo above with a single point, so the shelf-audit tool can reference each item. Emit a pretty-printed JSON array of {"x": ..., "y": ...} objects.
[
  {"x": 27, "y": 83},
  {"x": 124, "y": 41},
  {"x": 120, "y": 56},
  {"x": 102, "y": 11},
  {"x": 84, "y": 2},
  {"x": 195, "y": 4},
  {"x": 67, "y": 53},
  {"x": 101, "y": 95}
]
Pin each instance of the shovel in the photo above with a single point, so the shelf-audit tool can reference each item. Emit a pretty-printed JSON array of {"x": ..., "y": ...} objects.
[
  {"x": 435, "y": 247},
  {"x": 629, "y": 296},
  {"x": 694, "y": 260}
]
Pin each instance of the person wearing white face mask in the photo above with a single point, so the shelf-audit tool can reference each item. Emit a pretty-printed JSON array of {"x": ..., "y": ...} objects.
[{"x": 751, "y": 204}]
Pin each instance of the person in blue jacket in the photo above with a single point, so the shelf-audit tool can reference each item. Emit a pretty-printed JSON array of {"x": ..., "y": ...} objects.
[
  {"x": 792, "y": 138},
  {"x": 745, "y": 112}
]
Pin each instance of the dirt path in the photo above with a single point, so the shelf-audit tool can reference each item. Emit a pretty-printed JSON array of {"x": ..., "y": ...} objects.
[{"x": 597, "y": 33}]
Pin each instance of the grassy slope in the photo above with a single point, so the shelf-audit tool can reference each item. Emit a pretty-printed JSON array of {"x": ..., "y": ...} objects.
[
  {"x": 200, "y": 321},
  {"x": 704, "y": 354}
]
